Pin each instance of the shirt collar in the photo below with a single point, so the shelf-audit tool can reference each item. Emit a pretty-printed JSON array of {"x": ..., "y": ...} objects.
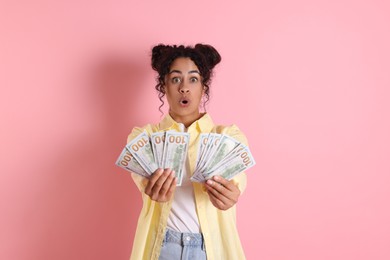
[{"x": 204, "y": 124}]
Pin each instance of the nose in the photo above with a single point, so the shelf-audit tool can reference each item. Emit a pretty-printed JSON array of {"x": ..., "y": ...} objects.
[{"x": 184, "y": 89}]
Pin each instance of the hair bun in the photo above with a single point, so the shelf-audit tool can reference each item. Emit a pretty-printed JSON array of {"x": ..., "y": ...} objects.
[
  {"x": 210, "y": 54},
  {"x": 158, "y": 52}
]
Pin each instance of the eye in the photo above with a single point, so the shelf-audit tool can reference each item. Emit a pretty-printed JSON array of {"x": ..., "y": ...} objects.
[
  {"x": 176, "y": 80},
  {"x": 194, "y": 79}
]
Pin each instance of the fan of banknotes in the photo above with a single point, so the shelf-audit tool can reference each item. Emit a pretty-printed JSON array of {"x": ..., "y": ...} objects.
[{"x": 218, "y": 154}]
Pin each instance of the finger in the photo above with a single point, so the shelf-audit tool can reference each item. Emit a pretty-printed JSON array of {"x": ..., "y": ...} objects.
[
  {"x": 218, "y": 187},
  {"x": 157, "y": 173},
  {"x": 216, "y": 201},
  {"x": 171, "y": 188},
  {"x": 218, "y": 191},
  {"x": 167, "y": 184},
  {"x": 160, "y": 181},
  {"x": 227, "y": 184},
  {"x": 152, "y": 180}
]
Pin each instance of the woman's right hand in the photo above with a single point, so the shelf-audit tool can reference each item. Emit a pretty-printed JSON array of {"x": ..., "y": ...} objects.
[{"x": 161, "y": 185}]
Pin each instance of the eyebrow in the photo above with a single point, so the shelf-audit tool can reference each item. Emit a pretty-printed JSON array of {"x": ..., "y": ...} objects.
[{"x": 178, "y": 71}]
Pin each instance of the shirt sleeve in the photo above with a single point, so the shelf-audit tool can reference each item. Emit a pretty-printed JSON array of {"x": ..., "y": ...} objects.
[{"x": 233, "y": 131}]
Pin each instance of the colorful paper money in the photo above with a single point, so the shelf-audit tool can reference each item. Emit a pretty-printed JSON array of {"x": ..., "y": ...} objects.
[
  {"x": 175, "y": 152},
  {"x": 218, "y": 154},
  {"x": 221, "y": 155}
]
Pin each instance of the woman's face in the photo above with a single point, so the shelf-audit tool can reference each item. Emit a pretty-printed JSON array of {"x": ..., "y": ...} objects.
[{"x": 184, "y": 90}]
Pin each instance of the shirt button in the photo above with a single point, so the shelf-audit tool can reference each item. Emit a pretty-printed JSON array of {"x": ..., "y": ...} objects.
[{"x": 188, "y": 238}]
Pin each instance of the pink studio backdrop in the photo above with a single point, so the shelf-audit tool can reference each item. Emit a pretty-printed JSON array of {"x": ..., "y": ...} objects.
[{"x": 307, "y": 81}]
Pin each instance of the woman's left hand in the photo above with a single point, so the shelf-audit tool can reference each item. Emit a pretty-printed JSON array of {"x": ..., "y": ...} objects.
[{"x": 223, "y": 193}]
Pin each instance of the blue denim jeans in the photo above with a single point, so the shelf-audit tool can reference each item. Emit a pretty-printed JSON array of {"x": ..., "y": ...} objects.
[{"x": 183, "y": 246}]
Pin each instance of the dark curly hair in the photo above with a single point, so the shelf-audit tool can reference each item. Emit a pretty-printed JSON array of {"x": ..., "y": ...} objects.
[{"x": 204, "y": 56}]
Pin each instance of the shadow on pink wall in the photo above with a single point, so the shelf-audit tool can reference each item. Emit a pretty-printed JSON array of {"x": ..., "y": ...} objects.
[{"x": 93, "y": 206}]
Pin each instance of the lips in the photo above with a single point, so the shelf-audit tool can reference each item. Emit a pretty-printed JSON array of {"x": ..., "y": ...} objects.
[{"x": 184, "y": 101}]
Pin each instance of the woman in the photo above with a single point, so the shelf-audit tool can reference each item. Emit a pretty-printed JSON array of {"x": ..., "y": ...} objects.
[{"x": 194, "y": 220}]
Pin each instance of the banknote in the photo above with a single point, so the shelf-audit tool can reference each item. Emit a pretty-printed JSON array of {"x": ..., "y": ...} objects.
[
  {"x": 157, "y": 140},
  {"x": 217, "y": 154},
  {"x": 212, "y": 147},
  {"x": 206, "y": 141},
  {"x": 226, "y": 160},
  {"x": 226, "y": 145},
  {"x": 175, "y": 152},
  {"x": 230, "y": 156},
  {"x": 242, "y": 161},
  {"x": 203, "y": 139},
  {"x": 127, "y": 161},
  {"x": 141, "y": 149}
]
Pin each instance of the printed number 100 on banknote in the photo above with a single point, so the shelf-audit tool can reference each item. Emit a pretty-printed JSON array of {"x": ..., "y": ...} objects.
[
  {"x": 141, "y": 149},
  {"x": 175, "y": 152}
]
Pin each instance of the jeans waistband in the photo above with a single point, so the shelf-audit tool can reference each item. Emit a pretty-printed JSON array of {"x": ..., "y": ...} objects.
[{"x": 184, "y": 239}]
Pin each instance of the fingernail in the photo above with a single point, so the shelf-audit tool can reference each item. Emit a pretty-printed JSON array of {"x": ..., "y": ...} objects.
[
  {"x": 210, "y": 182},
  {"x": 216, "y": 178}
]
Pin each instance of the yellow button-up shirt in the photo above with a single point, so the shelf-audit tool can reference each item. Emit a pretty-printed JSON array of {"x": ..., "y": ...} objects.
[{"x": 218, "y": 227}]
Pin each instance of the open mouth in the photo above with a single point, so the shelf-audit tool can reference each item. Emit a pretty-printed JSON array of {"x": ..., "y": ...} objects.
[{"x": 184, "y": 101}]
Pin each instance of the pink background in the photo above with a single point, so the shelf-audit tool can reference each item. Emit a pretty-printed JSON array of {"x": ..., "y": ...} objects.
[{"x": 307, "y": 82}]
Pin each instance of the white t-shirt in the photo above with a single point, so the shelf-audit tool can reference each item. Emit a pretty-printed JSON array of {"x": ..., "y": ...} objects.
[{"x": 183, "y": 217}]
